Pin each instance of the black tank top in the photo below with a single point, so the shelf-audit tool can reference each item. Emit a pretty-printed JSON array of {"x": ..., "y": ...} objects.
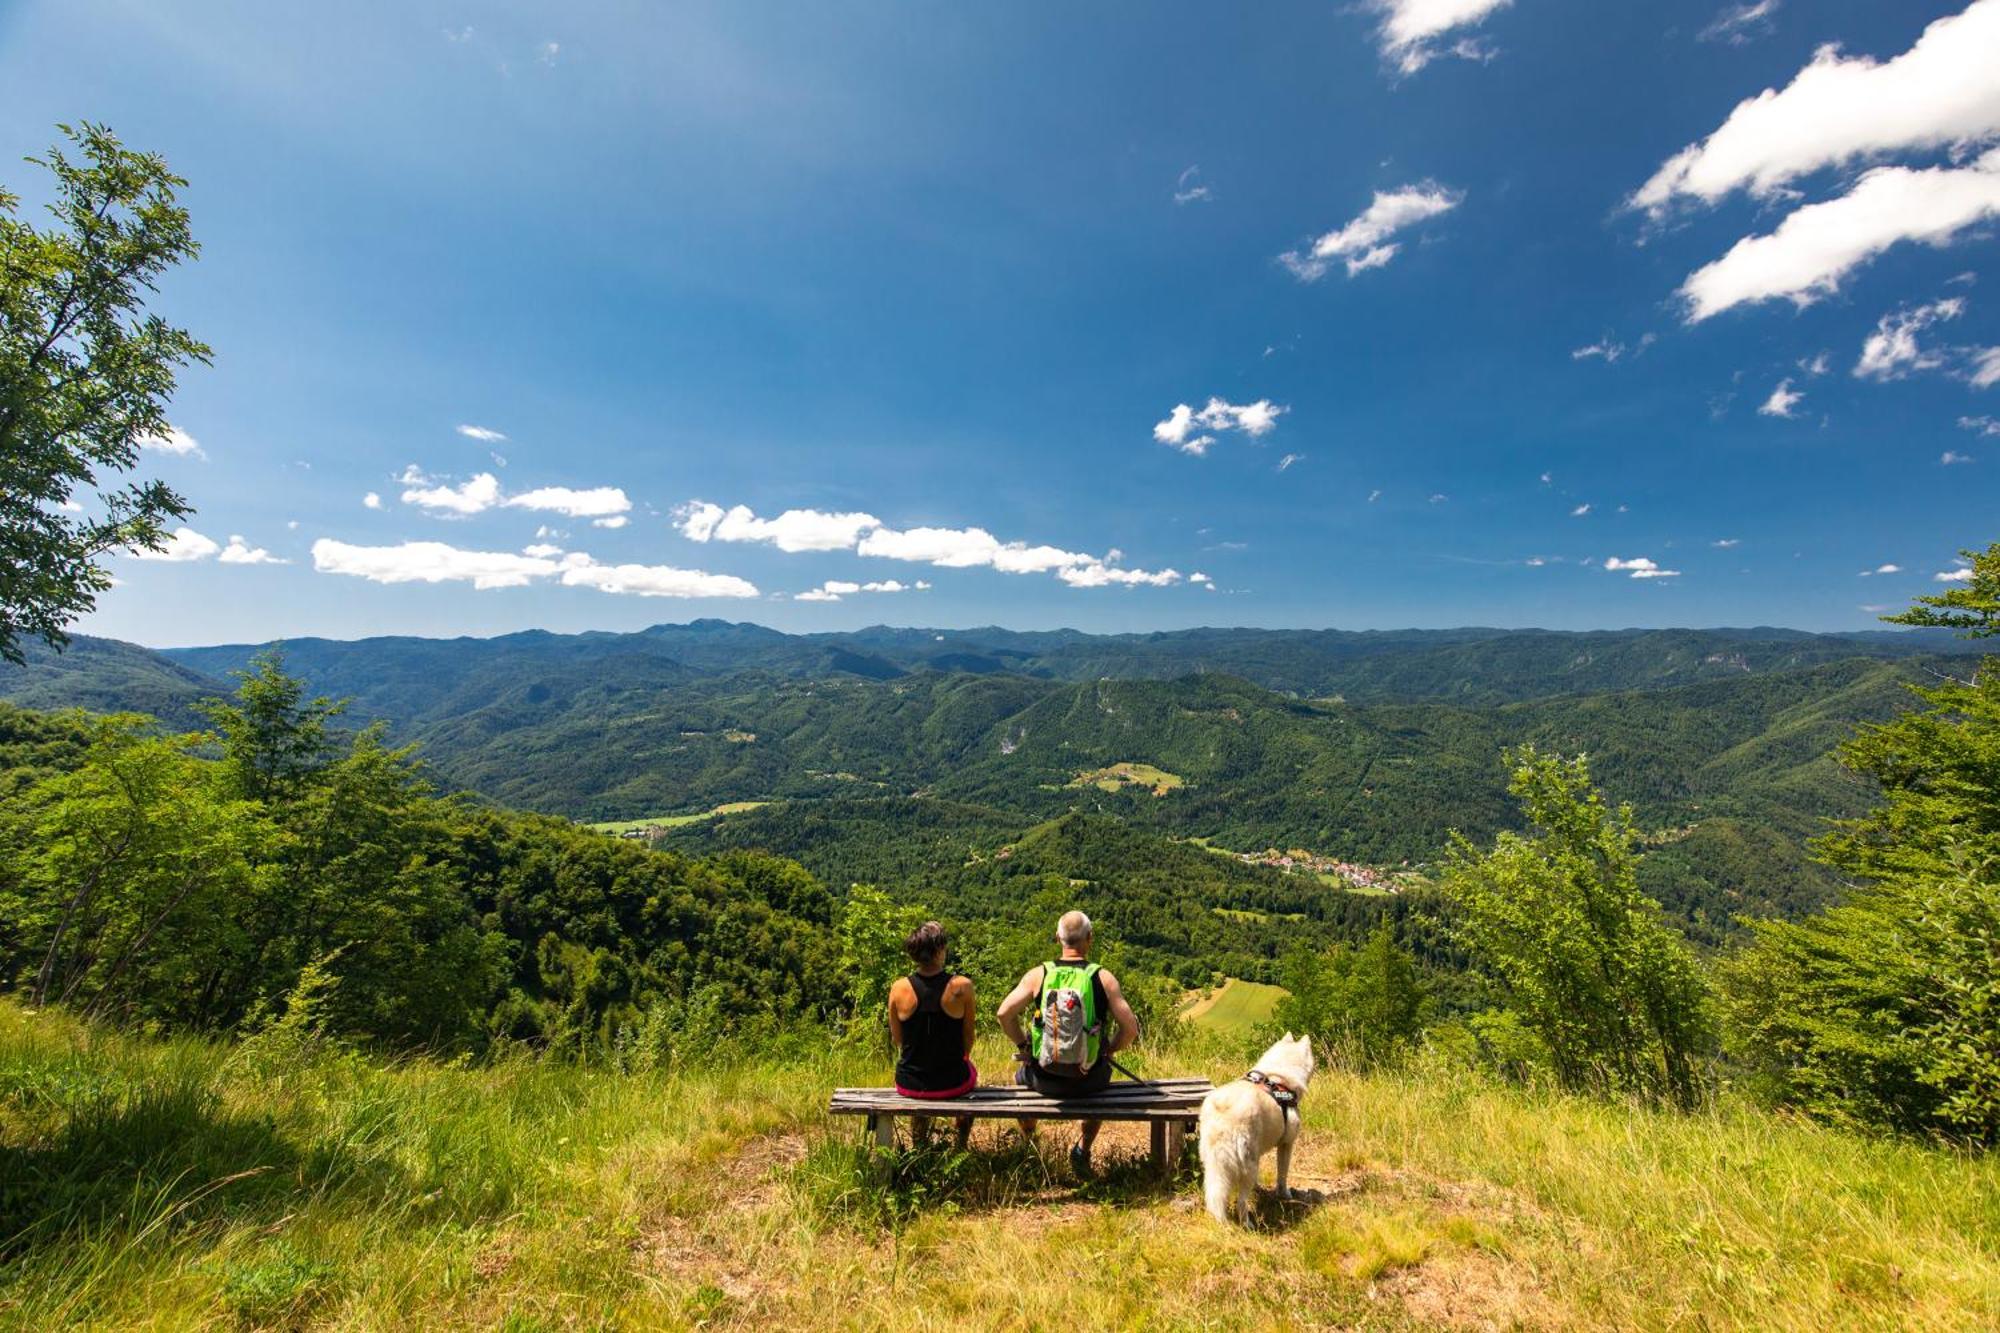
[{"x": 933, "y": 1055}]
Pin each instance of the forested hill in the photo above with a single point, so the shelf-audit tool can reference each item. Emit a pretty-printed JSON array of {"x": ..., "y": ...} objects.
[
  {"x": 411, "y": 680},
  {"x": 1727, "y": 754}
]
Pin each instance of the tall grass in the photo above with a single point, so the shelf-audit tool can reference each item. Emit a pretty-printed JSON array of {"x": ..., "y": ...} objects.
[{"x": 185, "y": 1183}]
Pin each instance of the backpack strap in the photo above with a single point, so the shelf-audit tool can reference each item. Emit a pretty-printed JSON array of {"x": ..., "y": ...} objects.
[{"x": 1286, "y": 1096}]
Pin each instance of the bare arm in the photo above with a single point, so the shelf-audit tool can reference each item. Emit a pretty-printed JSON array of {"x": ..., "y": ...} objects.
[
  {"x": 901, "y": 998},
  {"x": 1121, "y": 1014},
  {"x": 961, "y": 994},
  {"x": 1017, "y": 1000}
]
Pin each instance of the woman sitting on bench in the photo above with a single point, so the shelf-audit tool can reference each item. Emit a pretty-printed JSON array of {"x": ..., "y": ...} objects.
[{"x": 931, "y": 1021}]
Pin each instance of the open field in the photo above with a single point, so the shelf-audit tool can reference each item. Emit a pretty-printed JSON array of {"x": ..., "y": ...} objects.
[
  {"x": 189, "y": 1184},
  {"x": 1116, "y": 776},
  {"x": 1237, "y": 1007},
  {"x": 676, "y": 821}
]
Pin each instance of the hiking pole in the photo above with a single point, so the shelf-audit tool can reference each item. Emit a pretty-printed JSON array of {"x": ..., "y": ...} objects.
[{"x": 1144, "y": 1083}]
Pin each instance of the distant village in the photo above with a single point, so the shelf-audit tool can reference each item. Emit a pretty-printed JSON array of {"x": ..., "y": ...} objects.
[{"x": 1300, "y": 861}]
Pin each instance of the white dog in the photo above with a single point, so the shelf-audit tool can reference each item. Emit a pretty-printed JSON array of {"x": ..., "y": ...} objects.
[{"x": 1242, "y": 1121}]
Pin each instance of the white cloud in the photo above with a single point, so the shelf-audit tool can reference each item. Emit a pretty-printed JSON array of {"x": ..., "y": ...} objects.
[
  {"x": 1816, "y": 246},
  {"x": 483, "y": 434},
  {"x": 182, "y": 545},
  {"x": 1286, "y": 462},
  {"x": 1961, "y": 575},
  {"x": 580, "y": 571},
  {"x": 175, "y": 441},
  {"x": 1739, "y": 24},
  {"x": 1881, "y": 569},
  {"x": 1640, "y": 567},
  {"x": 1724, "y": 543},
  {"x": 1984, "y": 425},
  {"x": 1817, "y": 364},
  {"x": 1374, "y": 495},
  {"x": 1892, "y": 351},
  {"x": 1180, "y": 425},
  {"x": 1985, "y": 367},
  {"x": 1099, "y": 575},
  {"x": 1952, "y": 456},
  {"x": 834, "y": 589},
  {"x": 1782, "y": 402},
  {"x": 371, "y": 501},
  {"x": 429, "y": 562},
  {"x": 542, "y": 551},
  {"x": 240, "y": 552},
  {"x": 1188, "y": 189},
  {"x": 1579, "y": 511},
  {"x": 547, "y": 52},
  {"x": 1413, "y": 32},
  {"x": 596, "y": 502},
  {"x": 1199, "y": 577},
  {"x": 1838, "y": 110},
  {"x": 1604, "y": 348},
  {"x": 1364, "y": 243},
  {"x": 476, "y": 496},
  {"x": 615, "y": 521},
  {"x": 436, "y": 562},
  {"x": 793, "y": 531}
]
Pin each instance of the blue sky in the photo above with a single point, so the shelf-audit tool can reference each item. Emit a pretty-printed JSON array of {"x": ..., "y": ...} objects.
[{"x": 817, "y": 297}]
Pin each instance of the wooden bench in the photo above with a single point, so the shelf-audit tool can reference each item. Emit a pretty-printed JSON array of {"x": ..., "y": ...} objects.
[{"x": 1168, "y": 1105}]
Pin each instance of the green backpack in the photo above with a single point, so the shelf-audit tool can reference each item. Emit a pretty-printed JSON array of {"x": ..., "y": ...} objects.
[{"x": 1067, "y": 1024}]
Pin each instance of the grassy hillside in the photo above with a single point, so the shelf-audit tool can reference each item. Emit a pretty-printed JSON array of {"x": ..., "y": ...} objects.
[
  {"x": 1235, "y": 1008},
  {"x": 184, "y": 1184}
]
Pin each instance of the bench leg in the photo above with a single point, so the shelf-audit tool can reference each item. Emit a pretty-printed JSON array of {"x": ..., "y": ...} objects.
[
  {"x": 881, "y": 1133},
  {"x": 1176, "y": 1146},
  {"x": 1161, "y": 1164}
]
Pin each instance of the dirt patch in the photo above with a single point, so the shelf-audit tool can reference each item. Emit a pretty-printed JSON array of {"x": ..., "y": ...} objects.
[{"x": 754, "y": 1173}]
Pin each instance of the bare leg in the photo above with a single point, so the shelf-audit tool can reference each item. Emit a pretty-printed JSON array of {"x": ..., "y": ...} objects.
[
  {"x": 1090, "y": 1128},
  {"x": 964, "y": 1131},
  {"x": 920, "y": 1130},
  {"x": 1027, "y": 1130}
]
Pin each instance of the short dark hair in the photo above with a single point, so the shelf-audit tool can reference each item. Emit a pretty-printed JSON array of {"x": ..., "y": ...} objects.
[{"x": 925, "y": 942}]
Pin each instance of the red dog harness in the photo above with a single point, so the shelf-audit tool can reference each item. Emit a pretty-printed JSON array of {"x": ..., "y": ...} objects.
[{"x": 1286, "y": 1096}]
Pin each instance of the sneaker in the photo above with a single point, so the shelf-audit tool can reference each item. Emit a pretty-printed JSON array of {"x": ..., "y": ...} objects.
[{"x": 1079, "y": 1162}]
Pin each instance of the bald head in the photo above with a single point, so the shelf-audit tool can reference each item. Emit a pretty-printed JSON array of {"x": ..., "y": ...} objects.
[{"x": 1073, "y": 932}]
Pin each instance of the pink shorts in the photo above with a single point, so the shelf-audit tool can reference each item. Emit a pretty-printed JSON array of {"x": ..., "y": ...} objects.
[{"x": 971, "y": 1082}]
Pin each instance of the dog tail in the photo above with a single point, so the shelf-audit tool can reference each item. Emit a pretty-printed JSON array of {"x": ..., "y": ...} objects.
[{"x": 1228, "y": 1165}]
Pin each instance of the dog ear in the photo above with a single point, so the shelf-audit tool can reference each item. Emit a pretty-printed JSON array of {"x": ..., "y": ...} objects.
[{"x": 1290, "y": 1038}]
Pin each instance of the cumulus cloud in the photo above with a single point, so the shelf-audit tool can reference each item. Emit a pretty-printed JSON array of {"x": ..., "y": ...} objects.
[
  {"x": 1783, "y": 402},
  {"x": 240, "y": 552},
  {"x": 1724, "y": 543},
  {"x": 173, "y": 440},
  {"x": 597, "y": 502},
  {"x": 371, "y": 501},
  {"x": 437, "y": 562},
  {"x": 475, "y": 496},
  {"x": 1096, "y": 574},
  {"x": 1951, "y": 456},
  {"x": 1881, "y": 569},
  {"x": 430, "y": 562},
  {"x": 1816, "y": 246},
  {"x": 183, "y": 544},
  {"x": 1963, "y": 574},
  {"x": 580, "y": 571},
  {"x": 1892, "y": 351},
  {"x": 542, "y": 551},
  {"x": 483, "y": 434},
  {"x": 482, "y": 492},
  {"x": 1740, "y": 23},
  {"x": 946, "y": 548},
  {"x": 793, "y": 531},
  {"x": 1640, "y": 567},
  {"x": 1187, "y": 430},
  {"x": 1415, "y": 32},
  {"x": 1364, "y": 242},
  {"x": 1983, "y": 425},
  {"x": 1839, "y": 110},
  {"x": 834, "y": 589}
]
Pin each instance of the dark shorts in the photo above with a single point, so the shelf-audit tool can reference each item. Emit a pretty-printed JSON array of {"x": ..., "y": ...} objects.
[
  {"x": 1055, "y": 1085},
  {"x": 944, "y": 1094}
]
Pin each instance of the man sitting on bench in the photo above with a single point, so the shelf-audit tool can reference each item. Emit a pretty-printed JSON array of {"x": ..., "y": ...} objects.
[{"x": 1070, "y": 1053}]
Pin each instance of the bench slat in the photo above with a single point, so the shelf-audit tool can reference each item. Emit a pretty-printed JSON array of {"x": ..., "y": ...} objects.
[{"x": 1170, "y": 1100}]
